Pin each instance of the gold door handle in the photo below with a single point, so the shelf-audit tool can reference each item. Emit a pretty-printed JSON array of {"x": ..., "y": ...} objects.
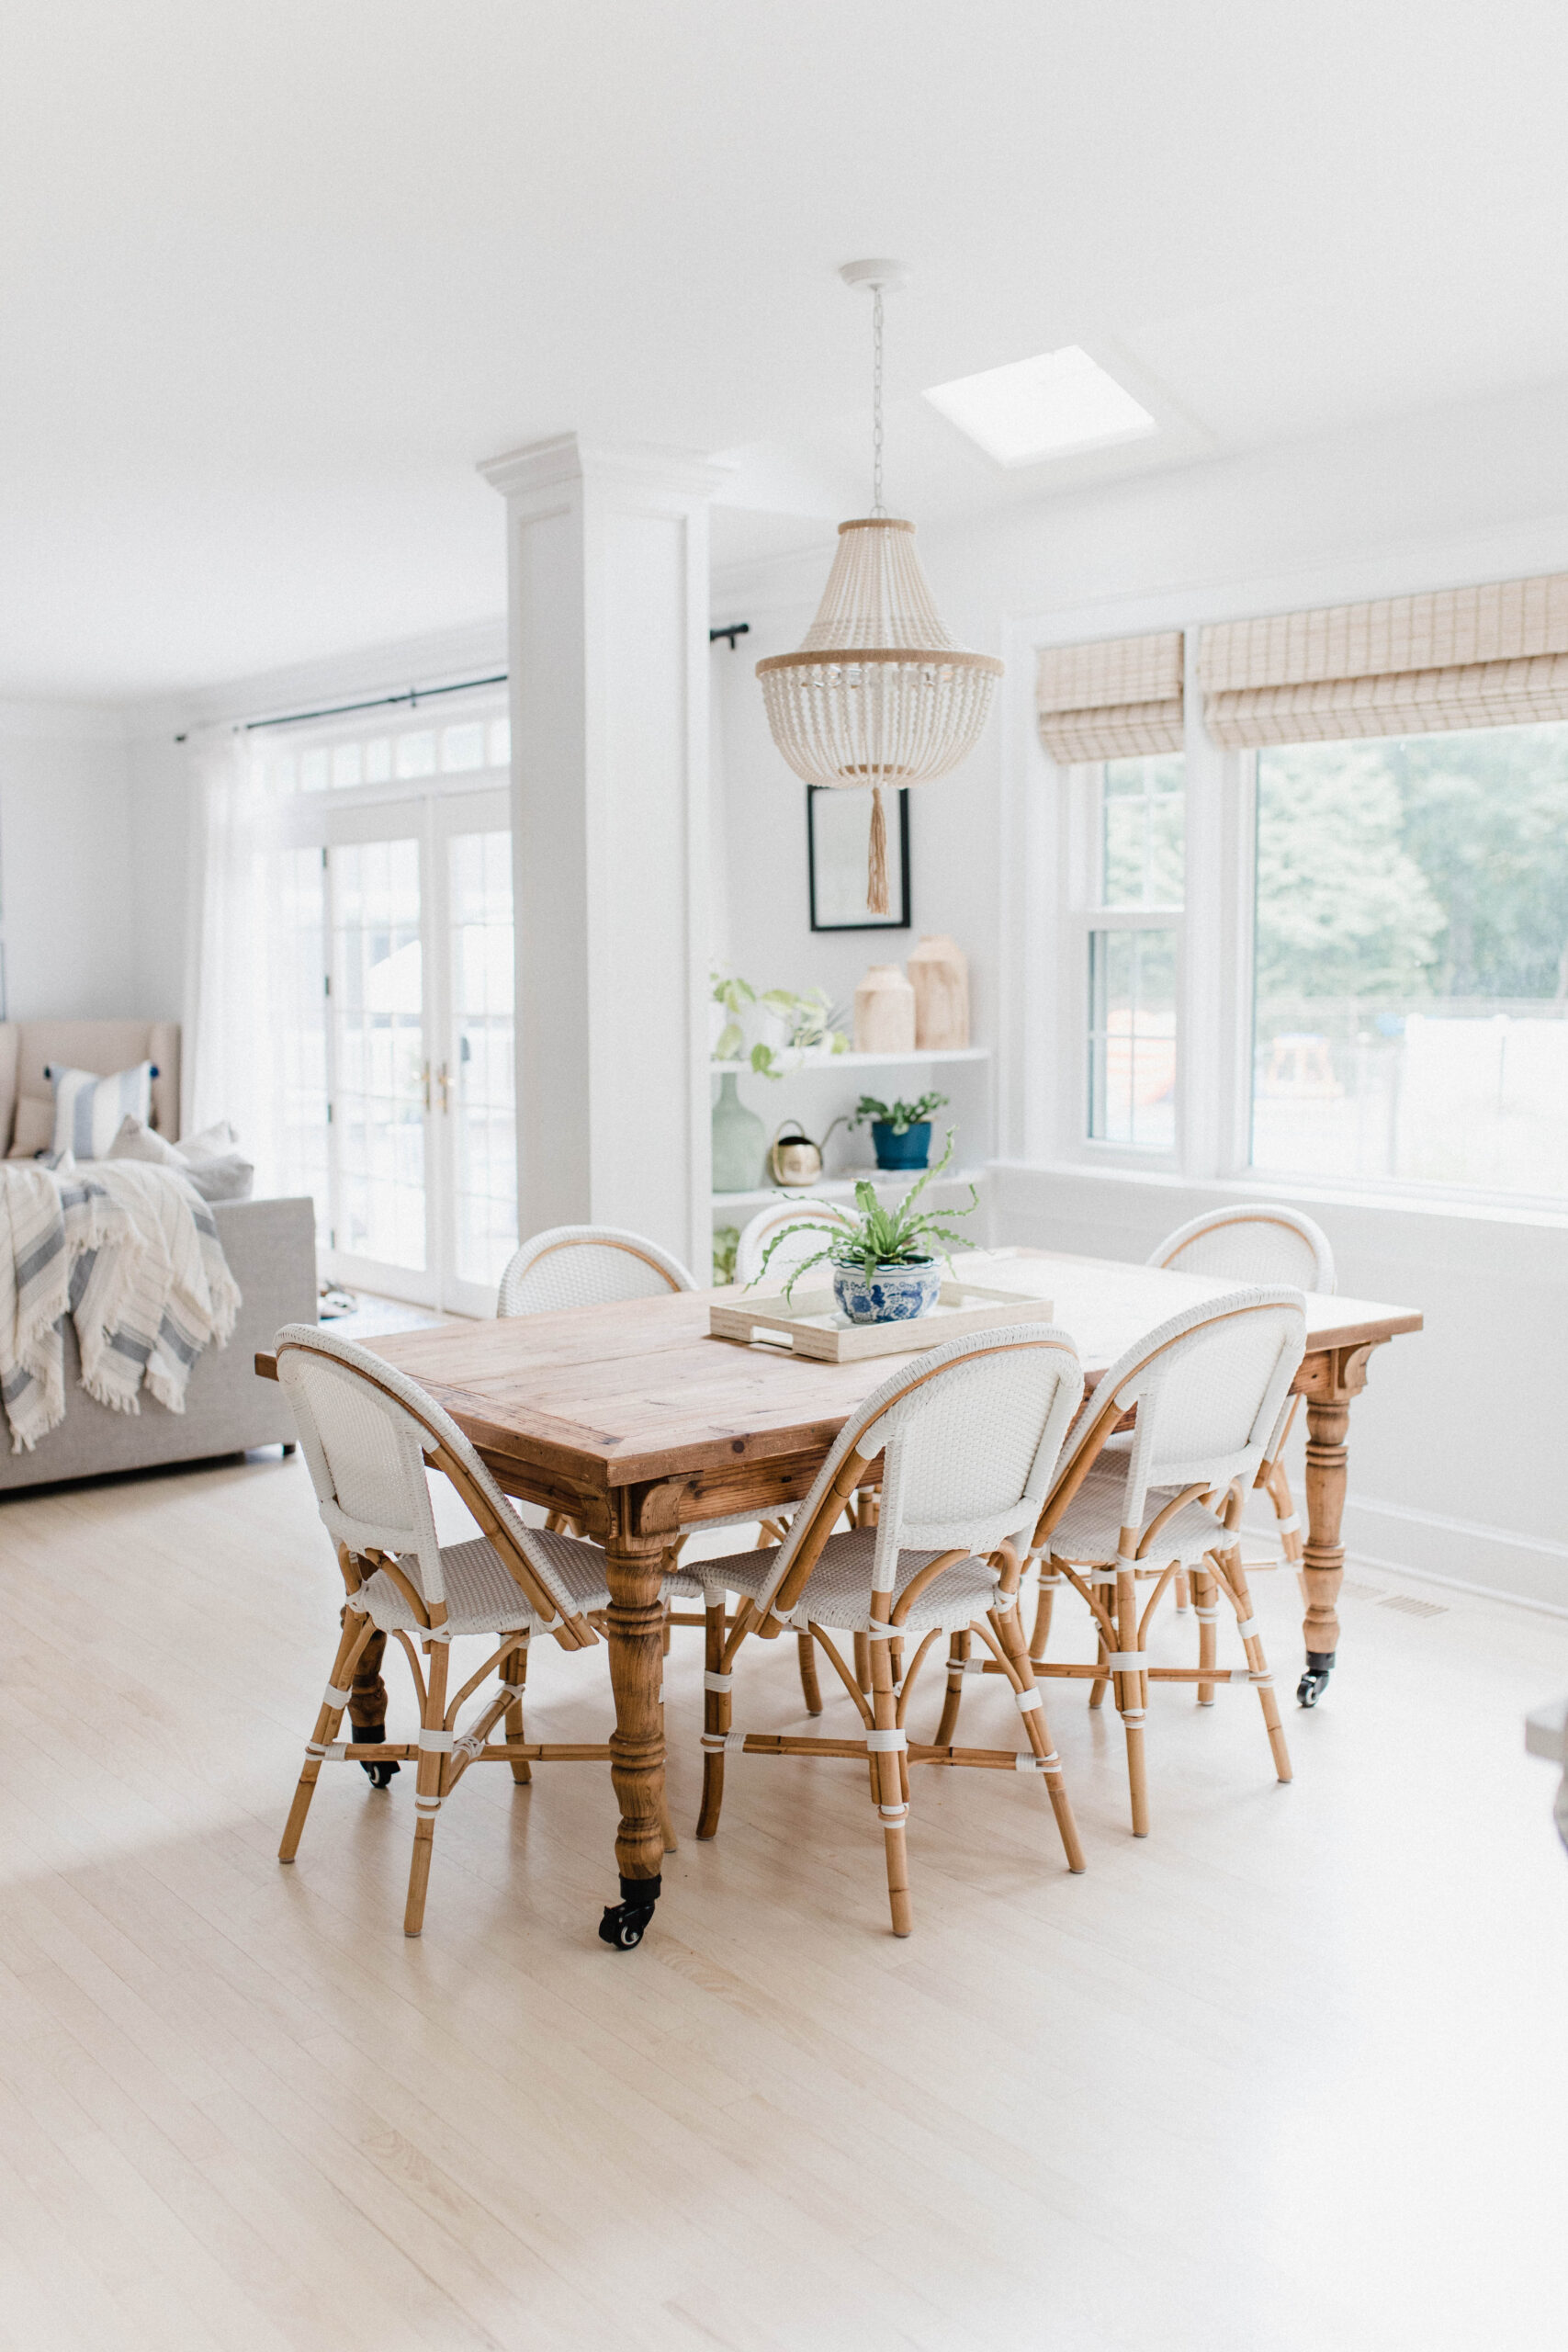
[{"x": 442, "y": 1080}]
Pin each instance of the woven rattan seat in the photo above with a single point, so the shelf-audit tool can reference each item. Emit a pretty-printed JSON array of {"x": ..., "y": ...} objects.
[
  {"x": 1088, "y": 1532},
  {"x": 839, "y": 1594}
]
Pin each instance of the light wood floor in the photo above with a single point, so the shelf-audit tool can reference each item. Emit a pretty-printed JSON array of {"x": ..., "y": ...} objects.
[{"x": 1289, "y": 2075}]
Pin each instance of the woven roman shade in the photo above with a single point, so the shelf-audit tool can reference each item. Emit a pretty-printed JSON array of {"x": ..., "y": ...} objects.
[
  {"x": 1496, "y": 656},
  {"x": 1112, "y": 700}
]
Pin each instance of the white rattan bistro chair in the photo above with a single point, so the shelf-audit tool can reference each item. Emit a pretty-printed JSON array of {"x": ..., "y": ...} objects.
[
  {"x": 1257, "y": 1242},
  {"x": 600, "y": 1265},
  {"x": 370, "y": 1434},
  {"x": 818, "y": 1221},
  {"x": 969, "y": 1435},
  {"x": 587, "y": 1265},
  {"x": 1210, "y": 1388}
]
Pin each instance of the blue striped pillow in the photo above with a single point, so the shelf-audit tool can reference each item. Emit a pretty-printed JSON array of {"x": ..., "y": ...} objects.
[{"x": 89, "y": 1110}]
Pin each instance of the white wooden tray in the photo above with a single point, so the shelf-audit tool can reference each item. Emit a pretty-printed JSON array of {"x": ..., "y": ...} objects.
[{"x": 812, "y": 1326}]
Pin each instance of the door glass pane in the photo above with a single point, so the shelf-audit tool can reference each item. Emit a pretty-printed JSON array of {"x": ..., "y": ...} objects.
[
  {"x": 1142, "y": 810},
  {"x": 1132, "y": 1042},
  {"x": 1411, "y": 970},
  {"x": 484, "y": 1117},
  {"x": 379, "y": 1025}
]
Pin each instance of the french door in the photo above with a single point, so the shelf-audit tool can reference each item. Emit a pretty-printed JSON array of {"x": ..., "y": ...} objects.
[{"x": 421, "y": 1187}]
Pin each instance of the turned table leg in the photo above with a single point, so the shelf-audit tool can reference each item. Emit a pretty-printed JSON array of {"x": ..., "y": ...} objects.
[
  {"x": 634, "y": 1624},
  {"x": 1337, "y": 1377},
  {"x": 368, "y": 1707}
]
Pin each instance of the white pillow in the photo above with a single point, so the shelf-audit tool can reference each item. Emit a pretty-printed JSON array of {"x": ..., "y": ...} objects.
[
  {"x": 89, "y": 1110},
  {"x": 209, "y": 1160}
]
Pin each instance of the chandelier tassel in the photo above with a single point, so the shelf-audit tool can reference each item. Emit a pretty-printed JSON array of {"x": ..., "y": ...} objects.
[{"x": 876, "y": 860}]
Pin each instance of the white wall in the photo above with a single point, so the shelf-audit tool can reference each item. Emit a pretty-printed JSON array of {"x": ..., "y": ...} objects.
[
  {"x": 163, "y": 818},
  {"x": 1453, "y": 1446},
  {"x": 71, "y": 917}
]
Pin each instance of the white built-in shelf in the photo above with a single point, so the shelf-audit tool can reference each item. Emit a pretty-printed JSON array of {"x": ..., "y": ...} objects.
[
  {"x": 843, "y": 1188},
  {"x": 862, "y": 1062}
]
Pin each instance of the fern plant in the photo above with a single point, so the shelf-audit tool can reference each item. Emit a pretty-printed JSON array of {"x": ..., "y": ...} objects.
[{"x": 898, "y": 1235}]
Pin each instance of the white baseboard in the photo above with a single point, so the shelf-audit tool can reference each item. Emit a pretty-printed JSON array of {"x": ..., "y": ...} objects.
[{"x": 1494, "y": 1562}]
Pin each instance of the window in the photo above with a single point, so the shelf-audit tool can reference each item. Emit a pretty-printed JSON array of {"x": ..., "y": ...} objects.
[
  {"x": 1411, "y": 960},
  {"x": 1131, "y": 949}
]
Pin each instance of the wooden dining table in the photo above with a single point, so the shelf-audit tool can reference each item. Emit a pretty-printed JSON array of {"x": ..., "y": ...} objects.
[{"x": 636, "y": 1424}]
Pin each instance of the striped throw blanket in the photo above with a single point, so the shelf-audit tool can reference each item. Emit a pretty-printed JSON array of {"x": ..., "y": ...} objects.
[{"x": 132, "y": 1252}]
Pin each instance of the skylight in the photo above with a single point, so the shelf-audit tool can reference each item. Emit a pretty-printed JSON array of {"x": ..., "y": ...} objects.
[{"x": 1051, "y": 406}]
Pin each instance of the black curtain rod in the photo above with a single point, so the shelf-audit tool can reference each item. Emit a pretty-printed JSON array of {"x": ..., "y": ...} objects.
[{"x": 414, "y": 696}]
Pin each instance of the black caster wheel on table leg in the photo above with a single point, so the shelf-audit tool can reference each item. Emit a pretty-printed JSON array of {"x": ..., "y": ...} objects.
[
  {"x": 624, "y": 1924},
  {"x": 1314, "y": 1682},
  {"x": 380, "y": 1773}
]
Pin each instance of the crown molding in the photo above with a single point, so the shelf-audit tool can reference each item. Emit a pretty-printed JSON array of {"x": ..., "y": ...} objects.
[{"x": 568, "y": 458}]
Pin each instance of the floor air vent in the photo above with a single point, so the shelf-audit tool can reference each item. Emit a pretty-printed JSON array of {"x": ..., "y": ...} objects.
[{"x": 1414, "y": 1608}]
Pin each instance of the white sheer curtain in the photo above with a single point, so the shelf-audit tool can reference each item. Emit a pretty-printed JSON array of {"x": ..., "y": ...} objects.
[{"x": 253, "y": 1048}]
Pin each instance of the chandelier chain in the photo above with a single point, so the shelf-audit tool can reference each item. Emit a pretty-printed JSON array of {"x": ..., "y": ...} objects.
[{"x": 877, "y": 505}]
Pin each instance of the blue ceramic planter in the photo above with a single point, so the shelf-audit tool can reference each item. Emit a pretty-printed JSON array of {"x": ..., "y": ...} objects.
[
  {"x": 911, "y": 1149},
  {"x": 893, "y": 1294}
]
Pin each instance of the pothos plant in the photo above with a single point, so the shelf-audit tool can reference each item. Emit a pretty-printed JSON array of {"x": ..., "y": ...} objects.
[
  {"x": 809, "y": 1017},
  {"x": 898, "y": 1235}
]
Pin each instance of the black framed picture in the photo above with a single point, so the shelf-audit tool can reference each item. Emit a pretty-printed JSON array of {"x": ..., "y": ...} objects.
[{"x": 837, "y": 839}]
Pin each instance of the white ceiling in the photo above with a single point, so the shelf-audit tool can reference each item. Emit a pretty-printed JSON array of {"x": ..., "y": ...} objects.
[{"x": 274, "y": 279}]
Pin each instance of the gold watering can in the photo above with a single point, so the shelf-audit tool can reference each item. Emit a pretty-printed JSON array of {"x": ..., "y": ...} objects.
[{"x": 796, "y": 1160}]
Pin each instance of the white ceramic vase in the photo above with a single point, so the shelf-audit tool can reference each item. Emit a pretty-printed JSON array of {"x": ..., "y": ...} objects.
[
  {"x": 939, "y": 972},
  {"x": 885, "y": 1011}
]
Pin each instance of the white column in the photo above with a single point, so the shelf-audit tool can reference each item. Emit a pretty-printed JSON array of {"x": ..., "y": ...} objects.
[{"x": 607, "y": 567}]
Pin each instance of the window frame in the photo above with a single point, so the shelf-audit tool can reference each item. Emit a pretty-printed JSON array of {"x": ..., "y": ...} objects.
[{"x": 1081, "y": 914}]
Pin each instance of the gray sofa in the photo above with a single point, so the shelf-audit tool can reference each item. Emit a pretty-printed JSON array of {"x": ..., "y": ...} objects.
[{"x": 270, "y": 1246}]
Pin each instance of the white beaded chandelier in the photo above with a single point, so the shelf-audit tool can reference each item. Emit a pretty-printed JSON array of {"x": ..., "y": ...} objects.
[{"x": 879, "y": 693}]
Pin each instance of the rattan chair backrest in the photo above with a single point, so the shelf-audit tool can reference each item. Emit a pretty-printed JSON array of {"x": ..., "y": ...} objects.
[
  {"x": 969, "y": 1434},
  {"x": 1251, "y": 1243},
  {"x": 587, "y": 1265},
  {"x": 1210, "y": 1389},
  {"x": 818, "y": 1220},
  {"x": 366, "y": 1432}
]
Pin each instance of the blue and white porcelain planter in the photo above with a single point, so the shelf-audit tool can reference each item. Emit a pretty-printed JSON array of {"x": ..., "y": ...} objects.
[{"x": 893, "y": 1294}]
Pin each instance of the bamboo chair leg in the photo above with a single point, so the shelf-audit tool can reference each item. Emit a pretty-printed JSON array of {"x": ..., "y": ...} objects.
[
  {"x": 1258, "y": 1667},
  {"x": 515, "y": 1669},
  {"x": 862, "y": 1663},
  {"x": 716, "y": 1722},
  {"x": 1285, "y": 1512},
  {"x": 810, "y": 1688},
  {"x": 328, "y": 1718},
  {"x": 1050, "y": 1578},
  {"x": 1100, "y": 1683},
  {"x": 957, "y": 1651},
  {"x": 1205, "y": 1602},
  {"x": 1183, "y": 1592},
  {"x": 891, "y": 1805},
  {"x": 431, "y": 1788},
  {"x": 1131, "y": 1690},
  {"x": 1009, "y": 1633}
]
